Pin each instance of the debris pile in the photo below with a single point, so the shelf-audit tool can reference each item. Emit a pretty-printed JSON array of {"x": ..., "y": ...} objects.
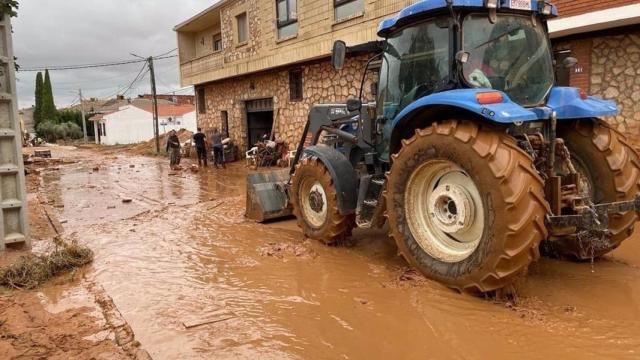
[
  {"x": 271, "y": 153},
  {"x": 32, "y": 270},
  {"x": 149, "y": 147}
]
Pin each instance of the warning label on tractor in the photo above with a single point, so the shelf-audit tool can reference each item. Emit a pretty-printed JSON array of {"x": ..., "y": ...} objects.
[{"x": 521, "y": 4}]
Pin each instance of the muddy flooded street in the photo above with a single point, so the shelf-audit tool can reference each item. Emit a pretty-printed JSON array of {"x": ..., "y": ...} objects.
[{"x": 195, "y": 279}]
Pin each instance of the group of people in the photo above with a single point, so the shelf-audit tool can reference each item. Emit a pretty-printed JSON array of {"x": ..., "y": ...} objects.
[{"x": 200, "y": 141}]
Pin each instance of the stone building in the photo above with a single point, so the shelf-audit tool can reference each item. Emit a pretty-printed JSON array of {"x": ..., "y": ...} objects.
[
  {"x": 259, "y": 65},
  {"x": 605, "y": 38}
]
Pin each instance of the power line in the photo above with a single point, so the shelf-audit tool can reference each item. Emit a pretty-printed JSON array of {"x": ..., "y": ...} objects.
[
  {"x": 91, "y": 66},
  {"x": 137, "y": 78},
  {"x": 167, "y": 53},
  {"x": 189, "y": 88}
]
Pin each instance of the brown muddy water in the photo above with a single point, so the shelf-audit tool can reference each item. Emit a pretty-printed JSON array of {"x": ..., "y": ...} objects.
[{"x": 182, "y": 252}]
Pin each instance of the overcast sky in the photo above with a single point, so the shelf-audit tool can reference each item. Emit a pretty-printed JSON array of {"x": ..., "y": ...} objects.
[{"x": 71, "y": 32}]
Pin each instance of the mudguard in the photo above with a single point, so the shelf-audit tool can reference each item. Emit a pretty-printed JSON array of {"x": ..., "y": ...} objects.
[
  {"x": 506, "y": 112},
  {"x": 568, "y": 104},
  {"x": 343, "y": 174}
]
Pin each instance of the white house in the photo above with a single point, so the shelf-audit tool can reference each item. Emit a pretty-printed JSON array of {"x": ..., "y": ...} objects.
[{"x": 132, "y": 124}]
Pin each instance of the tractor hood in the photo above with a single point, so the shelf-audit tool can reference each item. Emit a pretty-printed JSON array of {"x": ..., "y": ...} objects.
[
  {"x": 422, "y": 8},
  {"x": 565, "y": 101}
]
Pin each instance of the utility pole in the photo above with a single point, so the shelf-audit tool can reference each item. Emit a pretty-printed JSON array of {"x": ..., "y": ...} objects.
[
  {"x": 155, "y": 104},
  {"x": 84, "y": 125}
]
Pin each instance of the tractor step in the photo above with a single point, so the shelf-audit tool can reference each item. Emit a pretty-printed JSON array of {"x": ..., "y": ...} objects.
[{"x": 369, "y": 211}]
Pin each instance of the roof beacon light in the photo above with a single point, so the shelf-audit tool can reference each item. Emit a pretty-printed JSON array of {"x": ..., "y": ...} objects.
[
  {"x": 545, "y": 8},
  {"x": 491, "y": 4},
  {"x": 489, "y": 97}
]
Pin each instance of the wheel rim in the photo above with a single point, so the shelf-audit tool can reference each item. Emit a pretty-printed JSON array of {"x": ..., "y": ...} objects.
[
  {"x": 313, "y": 199},
  {"x": 444, "y": 210},
  {"x": 586, "y": 185}
]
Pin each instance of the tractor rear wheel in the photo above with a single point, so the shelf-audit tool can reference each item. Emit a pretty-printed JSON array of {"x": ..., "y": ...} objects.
[
  {"x": 611, "y": 170},
  {"x": 465, "y": 206},
  {"x": 315, "y": 203}
]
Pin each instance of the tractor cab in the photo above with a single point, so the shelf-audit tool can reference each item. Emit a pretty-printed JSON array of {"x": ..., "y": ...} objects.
[{"x": 498, "y": 45}]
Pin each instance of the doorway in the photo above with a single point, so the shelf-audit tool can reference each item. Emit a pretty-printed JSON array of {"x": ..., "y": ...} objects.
[
  {"x": 563, "y": 75},
  {"x": 259, "y": 120}
]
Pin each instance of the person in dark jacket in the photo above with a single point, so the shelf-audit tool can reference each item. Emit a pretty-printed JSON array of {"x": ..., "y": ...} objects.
[
  {"x": 200, "y": 140},
  {"x": 218, "y": 148},
  {"x": 173, "y": 149}
]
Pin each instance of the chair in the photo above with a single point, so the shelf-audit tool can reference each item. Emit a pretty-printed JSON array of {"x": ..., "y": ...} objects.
[
  {"x": 291, "y": 156},
  {"x": 251, "y": 156}
]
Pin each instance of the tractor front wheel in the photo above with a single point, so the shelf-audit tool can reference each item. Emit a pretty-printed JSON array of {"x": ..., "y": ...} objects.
[
  {"x": 465, "y": 206},
  {"x": 315, "y": 203}
]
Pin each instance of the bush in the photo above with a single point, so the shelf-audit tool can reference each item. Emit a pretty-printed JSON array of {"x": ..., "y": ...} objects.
[
  {"x": 74, "y": 116},
  {"x": 53, "y": 132}
]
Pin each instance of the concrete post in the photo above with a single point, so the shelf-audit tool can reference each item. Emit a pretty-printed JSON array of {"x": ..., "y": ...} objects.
[{"x": 13, "y": 199}]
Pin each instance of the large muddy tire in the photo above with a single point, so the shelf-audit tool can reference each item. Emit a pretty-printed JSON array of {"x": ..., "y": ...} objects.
[
  {"x": 498, "y": 208},
  {"x": 612, "y": 172},
  {"x": 315, "y": 203}
]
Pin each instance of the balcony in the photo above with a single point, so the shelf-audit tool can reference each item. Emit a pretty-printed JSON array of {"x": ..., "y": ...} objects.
[{"x": 194, "y": 68}]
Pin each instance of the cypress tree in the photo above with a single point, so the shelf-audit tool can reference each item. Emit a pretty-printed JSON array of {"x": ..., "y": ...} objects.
[
  {"x": 37, "y": 111},
  {"x": 48, "y": 106}
]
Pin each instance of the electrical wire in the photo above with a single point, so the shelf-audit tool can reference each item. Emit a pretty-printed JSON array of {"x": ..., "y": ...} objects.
[
  {"x": 91, "y": 66},
  {"x": 168, "y": 52},
  {"x": 138, "y": 77}
]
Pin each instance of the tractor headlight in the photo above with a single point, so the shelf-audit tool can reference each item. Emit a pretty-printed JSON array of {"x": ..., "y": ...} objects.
[
  {"x": 545, "y": 8},
  {"x": 491, "y": 4}
]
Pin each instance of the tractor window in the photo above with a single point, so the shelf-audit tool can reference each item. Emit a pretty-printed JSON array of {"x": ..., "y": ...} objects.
[
  {"x": 416, "y": 63},
  {"x": 510, "y": 55}
]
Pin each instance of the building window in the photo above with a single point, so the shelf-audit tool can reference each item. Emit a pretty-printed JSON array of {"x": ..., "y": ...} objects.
[
  {"x": 104, "y": 129},
  {"x": 243, "y": 31},
  {"x": 295, "y": 85},
  {"x": 202, "y": 106},
  {"x": 217, "y": 42},
  {"x": 345, "y": 9},
  {"x": 287, "y": 14},
  {"x": 225, "y": 123}
]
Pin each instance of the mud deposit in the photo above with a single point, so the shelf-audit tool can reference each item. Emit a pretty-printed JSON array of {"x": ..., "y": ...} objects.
[{"x": 181, "y": 253}]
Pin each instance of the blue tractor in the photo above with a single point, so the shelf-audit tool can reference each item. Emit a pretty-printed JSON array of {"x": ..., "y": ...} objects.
[{"x": 471, "y": 154}]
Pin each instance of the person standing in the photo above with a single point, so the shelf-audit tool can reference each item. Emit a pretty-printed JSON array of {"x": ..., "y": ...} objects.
[
  {"x": 218, "y": 148},
  {"x": 173, "y": 149},
  {"x": 200, "y": 140}
]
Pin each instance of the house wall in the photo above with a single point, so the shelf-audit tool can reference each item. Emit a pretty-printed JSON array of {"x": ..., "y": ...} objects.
[
  {"x": 321, "y": 84},
  {"x": 127, "y": 126},
  {"x": 133, "y": 125},
  {"x": 204, "y": 41},
  {"x": 577, "y": 7},
  {"x": 316, "y": 33},
  {"x": 609, "y": 67}
]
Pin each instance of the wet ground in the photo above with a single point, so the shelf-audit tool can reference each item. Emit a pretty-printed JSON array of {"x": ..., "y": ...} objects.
[{"x": 181, "y": 253}]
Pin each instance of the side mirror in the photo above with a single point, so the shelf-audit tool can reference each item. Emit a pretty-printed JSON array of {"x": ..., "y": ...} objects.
[
  {"x": 354, "y": 105},
  {"x": 569, "y": 62},
  {"x": 338, "y": 54}
]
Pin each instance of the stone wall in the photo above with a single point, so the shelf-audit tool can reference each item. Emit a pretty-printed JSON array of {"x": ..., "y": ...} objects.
[
  {"x": 615, "y": 74},
  {"x": 321, "y": 84}
]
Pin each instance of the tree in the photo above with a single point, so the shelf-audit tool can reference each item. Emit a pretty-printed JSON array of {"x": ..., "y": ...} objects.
[
  {"x": 74, "y": 116},
  {"x": 48, "y": 106},
  {"x": 37, "y": 111},
  {"x": 9, "y": 7}
]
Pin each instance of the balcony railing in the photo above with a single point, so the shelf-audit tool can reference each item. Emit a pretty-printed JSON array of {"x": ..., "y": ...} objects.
[{"x": 201, "y": 65}]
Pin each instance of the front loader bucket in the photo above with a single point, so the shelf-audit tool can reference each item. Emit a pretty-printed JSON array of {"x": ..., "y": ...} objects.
[{"x": 267, "y": 198}]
